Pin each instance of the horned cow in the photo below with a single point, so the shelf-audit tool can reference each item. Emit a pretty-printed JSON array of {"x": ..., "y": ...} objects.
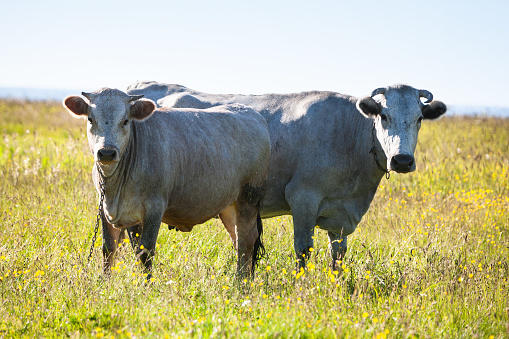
[
  {"x": 177, "y": 166},
  {"x": 329, "y": 151}
]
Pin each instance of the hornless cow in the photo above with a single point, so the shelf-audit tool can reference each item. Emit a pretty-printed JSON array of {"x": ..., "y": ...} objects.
[
  {"x": 178, "y": 166},
  {"x": 328, "y": 151}
]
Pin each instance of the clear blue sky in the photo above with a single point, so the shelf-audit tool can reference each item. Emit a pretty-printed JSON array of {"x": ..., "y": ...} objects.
[{"x": 459, "y": 50}]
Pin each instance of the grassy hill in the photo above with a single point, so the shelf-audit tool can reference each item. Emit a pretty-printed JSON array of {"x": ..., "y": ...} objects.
[{"x": 429, "y": 259}]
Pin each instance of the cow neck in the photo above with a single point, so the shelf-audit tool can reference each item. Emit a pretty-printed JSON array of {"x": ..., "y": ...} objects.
[
  {"x": 376, "y": 150},
  {"x": 114, "y": 183}
]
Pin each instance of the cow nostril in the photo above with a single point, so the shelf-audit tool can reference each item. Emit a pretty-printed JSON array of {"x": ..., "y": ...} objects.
[
  {"x": 106, "y": 154},
  {"x": 402, "y": 163}
]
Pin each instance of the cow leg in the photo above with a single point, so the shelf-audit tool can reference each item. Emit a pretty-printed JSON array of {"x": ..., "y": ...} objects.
[
  {"x": 248, "y": 229},
  {"x": 111, "y": 238},
  {"x": 239, "y": 220},
  {"x": 304, "y": 205},
  {"x": 337, "y": 248},
  {"x": 247, "y": 235},
  {"x": 134, "y": 235},
  {"x": 147, "y": 244},
  {"x": 229, "y": 218},
  {"x": 303, "y": 240}
]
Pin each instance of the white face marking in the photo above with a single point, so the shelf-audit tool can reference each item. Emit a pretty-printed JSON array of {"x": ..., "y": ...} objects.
[{"x": 397, "y": 126}]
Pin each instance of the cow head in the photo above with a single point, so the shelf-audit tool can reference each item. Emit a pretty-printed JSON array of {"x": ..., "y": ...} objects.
[
  {"x": 397, "y": 112},
  {"x": 109, "y": 112}
]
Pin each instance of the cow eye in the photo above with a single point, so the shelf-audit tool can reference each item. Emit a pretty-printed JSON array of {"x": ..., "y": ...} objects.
[
  {"x": 125, "y": 122},
  {"x": 90, "y": 120},
  {"x": 383, "y": 117}
]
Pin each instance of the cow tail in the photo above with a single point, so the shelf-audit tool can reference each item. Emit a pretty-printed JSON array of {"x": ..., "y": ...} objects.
[{"x": 259, "y": 249}]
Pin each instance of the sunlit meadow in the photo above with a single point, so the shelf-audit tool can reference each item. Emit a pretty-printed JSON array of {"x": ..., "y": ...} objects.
[{"x": 429, "y": 259}]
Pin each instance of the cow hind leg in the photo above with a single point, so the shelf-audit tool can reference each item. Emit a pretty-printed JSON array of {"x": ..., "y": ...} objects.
[
  {"x": 249, "y": 245},
  {"x": 249, "y": 229},
  {"x": 259, "y": 248},
  {"x": 229, "y": 218}
]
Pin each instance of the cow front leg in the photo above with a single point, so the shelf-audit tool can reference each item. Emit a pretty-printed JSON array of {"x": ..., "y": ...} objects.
[
  {"x": 147, "y": 243},
  {"x": 304, "y": 205},
  {"x": 302, "y": 241},
  {"x": 134, "y": 233},
  {"x": 111, "y": 238},
  {"x": 337, "y": 248}
]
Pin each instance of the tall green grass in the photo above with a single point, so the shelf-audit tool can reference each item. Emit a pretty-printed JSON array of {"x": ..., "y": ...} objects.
[{"x": 429, "y": 259}]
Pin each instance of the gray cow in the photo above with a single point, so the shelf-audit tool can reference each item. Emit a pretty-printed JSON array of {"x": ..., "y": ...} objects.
[
  {"x": 178, "y": 166},
  {"x": 328, "y": 151}
]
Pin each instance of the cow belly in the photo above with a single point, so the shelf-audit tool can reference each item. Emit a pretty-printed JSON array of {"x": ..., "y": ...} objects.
[
  {"x": 184, "y": 214},
  {"x": 341, "y": 217},
  {"x": 122, "y": 215},
  {"x": 274, "y": 202},
  {"x": 275, "y": 208},
  {"x": 184, "y": 224},
  {"x": 127, "y": 221}
]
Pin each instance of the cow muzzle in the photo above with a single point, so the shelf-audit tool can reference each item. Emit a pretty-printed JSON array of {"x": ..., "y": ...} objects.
[
  {"x": 107, "y": 155},
  {"x": 403, "y": 163}
]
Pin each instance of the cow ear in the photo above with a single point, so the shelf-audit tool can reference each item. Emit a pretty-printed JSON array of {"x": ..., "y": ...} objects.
[
  {"x": 76, "y": 105},
  {"x": 433, "y": 110},
  {"x": 141, "y": 109},
  {"x": 369, "y": 107}
]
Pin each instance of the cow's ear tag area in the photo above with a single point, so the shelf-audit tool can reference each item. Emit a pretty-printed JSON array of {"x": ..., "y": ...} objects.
[
  {"x": 369, "y": 107},
  {"x": 76, "y": 105},
  {"x": 434, "y": 110},
  {"x": 141, "y": 109}
]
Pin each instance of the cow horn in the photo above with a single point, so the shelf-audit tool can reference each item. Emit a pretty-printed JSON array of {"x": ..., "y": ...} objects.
[
  {"x": 87, "y": 95},
  {"x": 135, "y": 97},
  {"x": 380, "y": 90},
  {"x": 426, "y": 94}
]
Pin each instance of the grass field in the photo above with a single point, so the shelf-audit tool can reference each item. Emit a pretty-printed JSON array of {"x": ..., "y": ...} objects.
[{"x": 429, "y": 259}]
